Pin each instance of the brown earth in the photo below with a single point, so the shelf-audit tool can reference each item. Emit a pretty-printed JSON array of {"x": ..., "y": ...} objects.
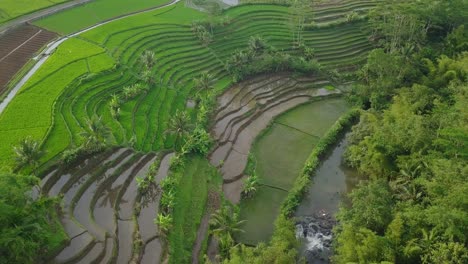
[{"x": 17, "y": 47}]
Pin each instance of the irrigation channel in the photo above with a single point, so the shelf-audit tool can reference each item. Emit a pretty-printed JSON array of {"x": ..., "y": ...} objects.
[
  {"x": 103, "y": 212},
  {"x": 316, "y": 213}
]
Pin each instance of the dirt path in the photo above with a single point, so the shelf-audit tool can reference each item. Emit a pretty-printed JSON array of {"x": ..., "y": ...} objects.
[
  {"x": 213, "y": 204},
  {"x": 41, "y": 13},
  {"x": 41, "y": 58}
]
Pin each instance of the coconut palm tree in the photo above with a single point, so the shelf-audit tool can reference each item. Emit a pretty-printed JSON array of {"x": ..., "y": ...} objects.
[
  {"x": 97, "y": 135},
  {"x": 147, "y": 77},
  {"x": 257, "y": 45},
  {"x": 204, "y": 81},
  {"x": 28, "y": 153},
  {"x": 148, "y": 59},
  {"x": 250, "y": 185},
  {"x": 164, "y": 223},
  {"x": 226, "y": 221},
  {"x": 115, "y": 101},
  {"x": 179, "y": 126}
]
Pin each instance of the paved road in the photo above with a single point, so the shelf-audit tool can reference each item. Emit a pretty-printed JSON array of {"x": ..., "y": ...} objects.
[{"x": 36, "y": 15}]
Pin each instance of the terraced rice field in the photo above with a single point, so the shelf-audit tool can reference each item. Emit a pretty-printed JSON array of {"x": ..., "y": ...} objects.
[
  {"x": 99, "y": 200},
  {"x": 100, "y": 197},
  {"x": 247, "y": 109},
  {"x": 180, "y": 58},
  {"x": 280, "y": 154}
]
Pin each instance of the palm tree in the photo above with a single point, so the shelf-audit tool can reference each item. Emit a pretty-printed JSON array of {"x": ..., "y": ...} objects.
[
  {"x": 148, "y": 59},
  {"x": 226, "y": 221},
  {"x": 204, "y": 81},
  {"x": 250, "y": 185},
  {"x": 257, "y": 45},
  {"x": 96, "y": 135},
  {"x": 115, "y": 101},
  {"x": 147, "y": 77},
  {"x": 164, "y": 223},
  {"x": 404, "y": 186},
  {"x": 179, "y": 126},
  {"x": 28, "y": 153}
]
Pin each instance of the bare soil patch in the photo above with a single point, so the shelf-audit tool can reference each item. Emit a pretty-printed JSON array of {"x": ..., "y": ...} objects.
[{"x": 17, "y": 47}]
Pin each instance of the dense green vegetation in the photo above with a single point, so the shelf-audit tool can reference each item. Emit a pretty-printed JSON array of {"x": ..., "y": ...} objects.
[
  {"x": 10, "y": 9},
  {"x": 27, "y": 223},
  {"x": 83, "y": 16},
  {"x": 412, "y": 142}
]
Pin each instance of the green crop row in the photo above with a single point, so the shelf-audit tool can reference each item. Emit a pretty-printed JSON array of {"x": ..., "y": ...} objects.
[
  {"x": 86, "y": 15},
  {"x": 10, "y": 9}
]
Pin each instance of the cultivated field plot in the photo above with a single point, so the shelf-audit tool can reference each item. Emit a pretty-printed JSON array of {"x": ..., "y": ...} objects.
[
  {"x": 10, "y": 9},
  {"x": 280, "y": 155},
  {"x": 91, "y": 13},
  {"x": 99, "y": 214},
  {"x": 78, "y": 94},
  {"x": 17, "y": 47}
]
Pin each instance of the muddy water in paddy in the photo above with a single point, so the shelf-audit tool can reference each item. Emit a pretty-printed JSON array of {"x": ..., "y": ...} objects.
[
  {"x": 280, "y": 154},
  {"x": 99, "y": 196},
  {"x": 316, "y": 213},
  {"x": 245, "y": 110}
]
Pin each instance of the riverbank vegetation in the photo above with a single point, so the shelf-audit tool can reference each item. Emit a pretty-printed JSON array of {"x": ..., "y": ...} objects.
[
  {"x": 28, "y": 223},
  {"x": 411, "y": 142}
]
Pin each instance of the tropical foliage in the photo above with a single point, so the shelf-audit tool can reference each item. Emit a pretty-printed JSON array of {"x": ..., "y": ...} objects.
[
  {"x": 412, "y": 142},
  {"x": 28, "y": 222}
]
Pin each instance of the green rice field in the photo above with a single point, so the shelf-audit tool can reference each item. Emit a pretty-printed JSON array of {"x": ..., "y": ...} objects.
[
  {"x": 280, "y": 154},
  {"x": 70, "y": 20},
  {"x": 73, "y": 91},
  {"x": 10, "y": 9}
]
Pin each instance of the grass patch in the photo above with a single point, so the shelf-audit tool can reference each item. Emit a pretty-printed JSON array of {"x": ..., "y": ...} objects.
[
  {"x": 83, "y": 16},
  {"x": 191, "y": 197}
]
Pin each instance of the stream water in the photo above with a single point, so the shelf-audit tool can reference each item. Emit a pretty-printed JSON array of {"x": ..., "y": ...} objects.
[{"x": 316, "y": 213}]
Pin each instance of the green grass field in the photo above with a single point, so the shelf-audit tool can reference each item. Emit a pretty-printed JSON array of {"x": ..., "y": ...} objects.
[
  {"x": 86, "y": 15},
  {"x": 10, "y": 9}
]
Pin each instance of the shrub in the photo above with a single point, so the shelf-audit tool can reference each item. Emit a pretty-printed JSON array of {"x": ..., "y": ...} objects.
[
  {"x": 130, "y": 92},
  {"x": 251, "y": 185},
  {"x": 202, "y": 33},
  {"x": 199, "y": 142},
  {"x": 70, "y": 156}
]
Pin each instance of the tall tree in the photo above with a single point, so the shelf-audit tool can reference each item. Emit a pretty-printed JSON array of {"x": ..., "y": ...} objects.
[
  {"x": 148, "y": 59},
  {"x": 96, "y": 135},
  {"x": 179, "y": 126},
  {"x": 204, "y": 82},
  {"x": 28, "y": 153}
]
